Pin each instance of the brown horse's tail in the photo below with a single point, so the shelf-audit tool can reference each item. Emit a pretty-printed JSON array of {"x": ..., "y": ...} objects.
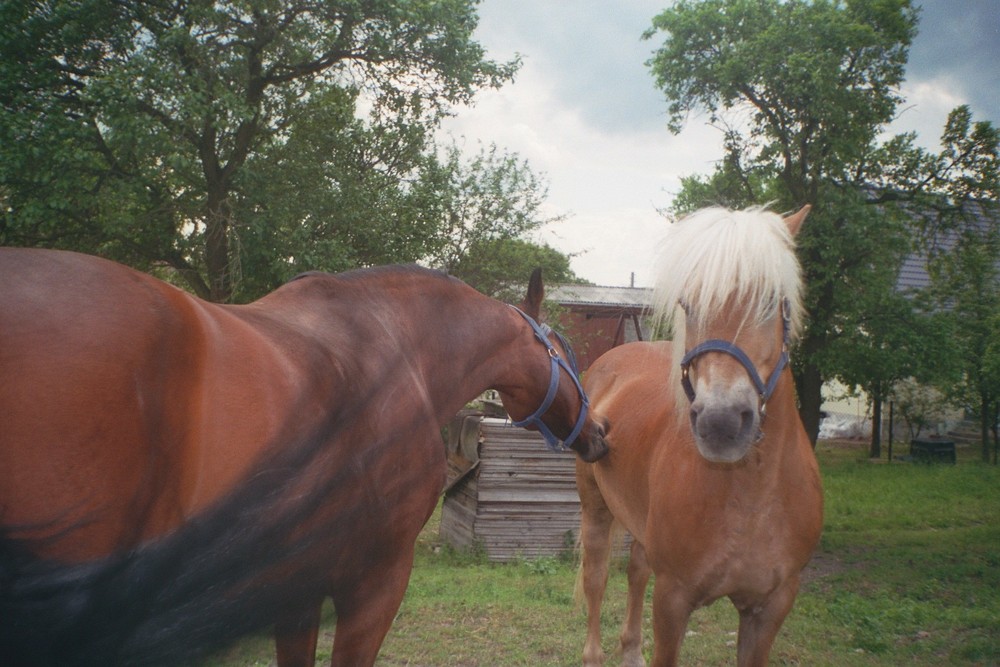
[
  {"x": 224, "y": 574},
  {"x": 616, "y": 538}
]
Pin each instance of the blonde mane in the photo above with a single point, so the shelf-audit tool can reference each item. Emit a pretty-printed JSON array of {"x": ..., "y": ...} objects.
[{"x": 715, "y": 255}]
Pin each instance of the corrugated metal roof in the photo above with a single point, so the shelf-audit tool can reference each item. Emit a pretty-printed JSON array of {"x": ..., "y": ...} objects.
[{"x": 596, "y": 295}]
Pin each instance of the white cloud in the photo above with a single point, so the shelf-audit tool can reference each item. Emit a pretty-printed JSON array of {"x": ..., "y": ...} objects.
[
  {"x": 928, "y": 103},
  {"x": 613, "y": 247},
  {"x": 609, "y": 185},
  {"x": 584, "y": 111}
]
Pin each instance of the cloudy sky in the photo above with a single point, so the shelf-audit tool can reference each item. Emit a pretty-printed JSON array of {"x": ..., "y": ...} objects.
[{"x": 584, "y": 112}]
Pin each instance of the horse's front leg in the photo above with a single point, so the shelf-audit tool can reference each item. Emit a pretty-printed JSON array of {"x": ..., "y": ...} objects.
[
  {"x": 295, "y": 637},
  {"x": 638, "y": 578},
  {"x": 366, "y": 611},
  {"x": 671, "y": 613},
  {"x": 759, "y": 624}
]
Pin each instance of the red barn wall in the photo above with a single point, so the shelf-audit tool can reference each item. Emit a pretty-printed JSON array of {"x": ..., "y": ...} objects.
[{"x": 592, "y": 330}]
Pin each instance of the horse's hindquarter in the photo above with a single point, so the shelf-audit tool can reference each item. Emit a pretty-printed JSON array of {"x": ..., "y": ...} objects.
[
  {"x": 89, "y": 355},
  {"x": 128, "y": 405},
  {"x": 212, "y": 465}
]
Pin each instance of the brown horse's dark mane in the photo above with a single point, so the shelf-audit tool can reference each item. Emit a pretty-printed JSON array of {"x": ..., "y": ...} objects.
[{"x": 368, "y": 272}]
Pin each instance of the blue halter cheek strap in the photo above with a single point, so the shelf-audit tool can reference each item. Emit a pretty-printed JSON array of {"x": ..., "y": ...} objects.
[
  {"x": 715, "y": 345},
  {"x": 555, "y": 363}
]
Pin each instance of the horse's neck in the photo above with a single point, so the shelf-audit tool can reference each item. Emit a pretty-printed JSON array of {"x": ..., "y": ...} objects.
[
  {"x": 455, "y": 356},
  {"x": 439, "y": 340},
  {"x": 488, "y": 355},
  {"x": 782, "y": 428}
]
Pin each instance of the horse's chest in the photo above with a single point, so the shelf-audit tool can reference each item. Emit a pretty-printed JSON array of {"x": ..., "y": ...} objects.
[{"x": 734, "y": 546}]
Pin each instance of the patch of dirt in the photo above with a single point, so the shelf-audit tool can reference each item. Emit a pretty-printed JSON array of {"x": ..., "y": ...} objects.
[{"x": 821, "y": 566}]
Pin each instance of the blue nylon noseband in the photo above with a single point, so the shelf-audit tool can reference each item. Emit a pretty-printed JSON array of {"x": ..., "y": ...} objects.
[
  {"x": 542, "y": 332},
  {"x": 764, "y": 391}
]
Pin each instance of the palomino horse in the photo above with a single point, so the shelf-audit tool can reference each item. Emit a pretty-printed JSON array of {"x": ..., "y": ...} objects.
[
  {"x": 709, "y": 468},
  {"x": 175, "y": 474}
]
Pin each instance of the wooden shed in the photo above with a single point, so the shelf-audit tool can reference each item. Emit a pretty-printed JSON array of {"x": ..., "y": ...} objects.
[{"x": 507, "y": 493}]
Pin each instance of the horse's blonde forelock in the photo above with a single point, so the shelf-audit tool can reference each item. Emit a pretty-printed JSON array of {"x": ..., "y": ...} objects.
[{"x": 715, "y": 254}]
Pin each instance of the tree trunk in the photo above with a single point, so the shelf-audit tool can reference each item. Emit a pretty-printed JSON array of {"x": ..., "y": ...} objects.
[
  {"x": 810, "y": 389},
  {"x": 984, "y": 426},
  {"x": 218, "y": 215},
  {"x": 217, "y": 260},
  {"x": 996, "y": 430},
  {"x": 876, "y": 447},
  {"x": 190, "y": 276}
]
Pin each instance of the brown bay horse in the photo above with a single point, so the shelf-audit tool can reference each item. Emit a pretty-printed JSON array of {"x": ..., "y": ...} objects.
[
  {"x": 709, "y": 468},
  {"x": 175, "y": 474}
]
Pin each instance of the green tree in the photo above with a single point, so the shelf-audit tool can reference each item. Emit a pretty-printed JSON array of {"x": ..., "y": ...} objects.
[
  {"x": 965, "y": 275},
  {"x": 148, "y": 131},
  {"x": 893, "y": 342},
  {"x": 958, "y": 196},
  {"x": 500, "y": 267},
  {"x": 336, "y": 193},
  {"x": 493, "y": 196},
  {"x": 486, "y": 207},
  {"x": 806, "y": 87},
  {"x": 920, "y": 405},
  {"x": 991, "y": 372}
]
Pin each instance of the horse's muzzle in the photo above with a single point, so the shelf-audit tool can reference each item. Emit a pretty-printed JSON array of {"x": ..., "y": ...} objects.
[
  {"x": 724, "y": 434},
  {"x": 592, "y": 447}
]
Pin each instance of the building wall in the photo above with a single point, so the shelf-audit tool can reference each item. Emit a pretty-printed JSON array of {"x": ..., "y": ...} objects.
[{"x": 592, "y": 331}]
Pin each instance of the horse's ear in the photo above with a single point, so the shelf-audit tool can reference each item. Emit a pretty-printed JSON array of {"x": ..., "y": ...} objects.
[
  {"x": 532, "y": 304},
  {"x": 795, "y": 220}
]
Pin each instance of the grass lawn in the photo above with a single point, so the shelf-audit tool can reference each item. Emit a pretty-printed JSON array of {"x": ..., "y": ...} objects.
[{"x": 907, "y": 573}]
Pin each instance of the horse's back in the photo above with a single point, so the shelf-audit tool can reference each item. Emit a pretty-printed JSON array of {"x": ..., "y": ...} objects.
[{"x": 629, "y": 386}]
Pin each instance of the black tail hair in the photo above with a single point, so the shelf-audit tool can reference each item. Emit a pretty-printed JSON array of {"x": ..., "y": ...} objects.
[{"x": 220, "y": 576}]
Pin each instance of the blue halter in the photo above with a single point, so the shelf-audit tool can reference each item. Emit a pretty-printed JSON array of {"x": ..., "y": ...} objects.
[
  {"x": 542, "y": 332},
  {"x": 764, "y": 391}
]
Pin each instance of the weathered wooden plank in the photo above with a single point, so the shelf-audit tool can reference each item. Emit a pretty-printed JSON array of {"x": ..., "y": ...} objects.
[
  {"x": 489, "y": 495},
  {"x": 520, "y": 503}
]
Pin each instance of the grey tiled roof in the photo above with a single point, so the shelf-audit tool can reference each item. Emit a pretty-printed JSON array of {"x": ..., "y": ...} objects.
[{"x": 913, "y": 274}]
